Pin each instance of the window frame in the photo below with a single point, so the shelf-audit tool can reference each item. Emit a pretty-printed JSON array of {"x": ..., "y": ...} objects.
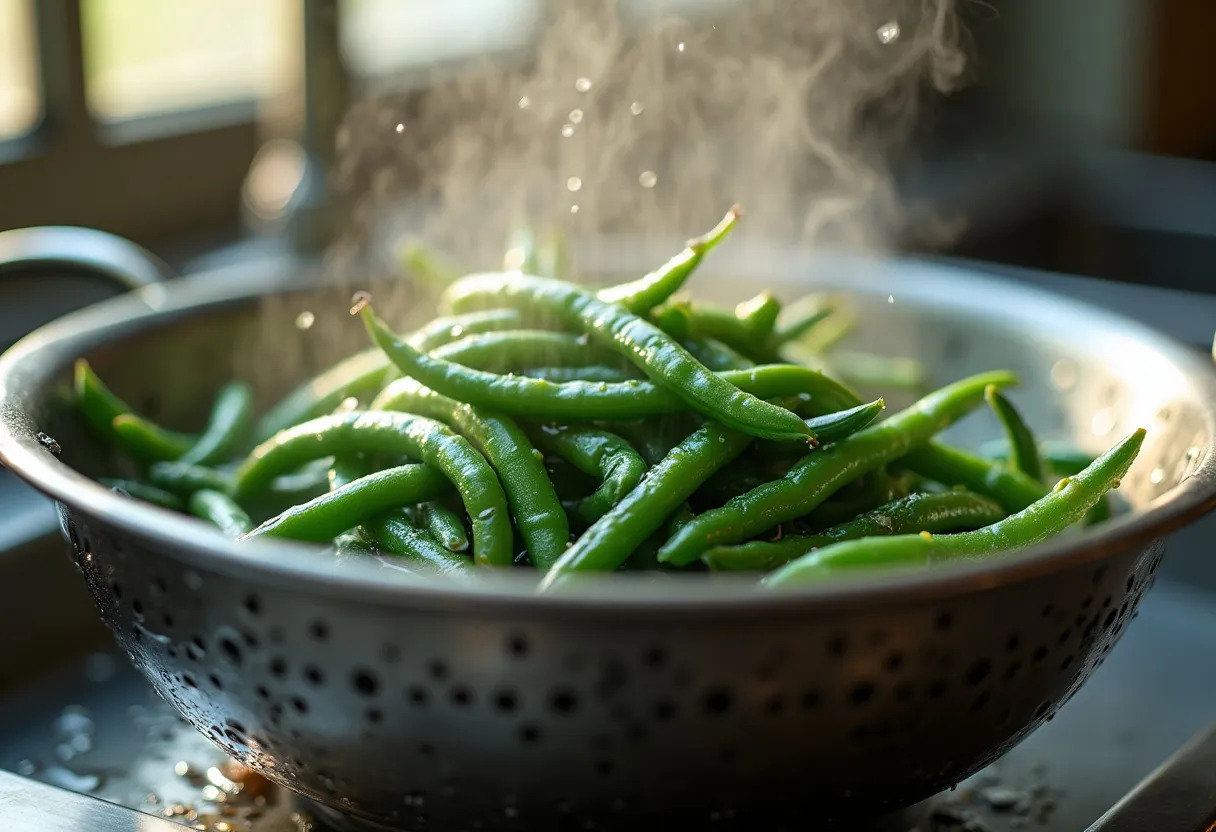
[{"x": 118, "y": 175}]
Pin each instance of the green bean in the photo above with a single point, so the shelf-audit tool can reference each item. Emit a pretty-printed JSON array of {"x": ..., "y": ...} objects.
[
  {"x": 537, "y": 510},
  {"x": 1063, "y": 458},
  {"x": 715, "y": 355},
  {"x": 614, "y": 537},
  {"x": 101, "y": 407},
  {"x": 651, "y": 441},
  {"x": 393, "y": 433},
  {"x": 184, "y": 479},
  {"x": 649, "y": 348},
  {"x": 747, "y": 330},
  {"x": 590, "y": 373},
  {"x": 443, "y": 524},
  {"x": 392, "y": 532},
  {"x": 952, "y": 466},
  {"x": 640, "y": 296},
  {"x": 878, "y": 371},
  {"x": 799, "y": 324},
  {"x": 945, "y": 512},
  {"x": 819, "y": 475},
  {"x": 428, "y": 267},
  {"x": 611, "y": 540},
  {"x": 590, "y": 401},
  {"x": 1025, "y": 456},
  {"x": 499, "y": 352},
  {"x": 364, "y": 373},
  {"x": 1066, "y": 504},
  {"x": 220, "y": 510},
  {"x": 598, "y": 453},
  {"x": 143, "y": 491},
  {"x": 876, "y": 489},
  {"x": 143, "y": 440},
  {"x": 225, "y": 429},
  {"x": 328, "y": 515}
]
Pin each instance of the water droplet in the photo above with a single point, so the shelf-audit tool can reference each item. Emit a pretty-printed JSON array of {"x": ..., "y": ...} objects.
[
  {"x": 573, "y": 209},
  {"x": 890, "y": 298},
  {"x": 576, "y": 116},
  {"x": 305, "y": 320},
  {"x": 1064, "y": 374},
  {"x": 26, "y": 768},
  {"x": 400, "y": 128},
  {"x": 637, "y": 107},
  {"x": 1156, "y": 476},
  {"x": 567, "y": 131},
  {"x": 680, "y": 46},
  {"x": 648, "y": 179},
  {"x": 525, "y": 102},
  {"x": 574, "y": 184},
  {"x": 888, "y": 32},
  {"x": 485, "y": 514},
  {"x": 456, "y": 331},
  {"x": 582, "y": 84}
]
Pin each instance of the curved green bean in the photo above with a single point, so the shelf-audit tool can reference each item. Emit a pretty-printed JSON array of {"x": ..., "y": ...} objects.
[
  {"x": 645, "y": 345},
  {"x": 953, "y": 466},
  {"x": 393, "y": 433},
  {"x": 819, "y": 475},
  {"x": 642, "y": 295},
  {"x": 500, "y": 352},
  {"x": 230, "y": 415},
  {"x": 591, "y": 401},
  {"x": 537, "y": 510},
  {"x": 221, "y": 511},
  {"x": 364, "y": 373},
  {"x": 1066, "y": 504},
  {"x": 328, "y": 515},
  {"x": 945, "y": 512},
  {"x": 1025, "y": 456},
  {"x": 592, "y": 373},
  {"x": 443, "y": 524},
  {"x": 101, "y": 408},
  {"x": 143, "y": 440},
  {"x": 597, "y": 453},
  {"x": 393, "y": 532},
  {"x": 1063, "y": 458}
]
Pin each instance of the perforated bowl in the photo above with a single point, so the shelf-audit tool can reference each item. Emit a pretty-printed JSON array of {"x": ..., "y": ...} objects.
[{"x": 400, "y": 705}]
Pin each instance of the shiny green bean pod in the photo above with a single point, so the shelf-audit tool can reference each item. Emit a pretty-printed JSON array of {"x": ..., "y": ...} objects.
[
  {"x": 798, "y": 325},
  {"x": 877, "y": 489},
  {"x": 642, "y": 295},
  {"x": 589, "y": 401},
  {"x": 1025, "y": 456},
  {"x": 821, "y": 474},
  {"x": 654, "y": 352},
  {"x": 143, "y": 491},
  {"x": 230, "y": 415},
  {"x": 328, "y": 515},
  {"x": 655, "y": 441},
  {"x": 597, "y": 373},
  {"x": 221, "y": 511},
  {"x": 386, "y": 432},
  {"x": 143, "y": 440},
  {"x": 613, "y": 538},
  {"x": 945, "y": 512},
  {"x": 183, "y": 479},
  {"x": 598, "y": 453},
  {"x": 537, "y": 510},
  {"x": 714, "y": 354},
  {"x": 500, "y": 352},
  {"x": 444, "y": 525},
  {"x": 1063, "y": 506},
  {"x": 364, "y": 373},
  {"x": 1063, "y": 458},
  {"x": 952, "y": 466},
  {"x": 101, "y": 408},
  {"x": 684, "y": 320},
  {"x": 392, "y": 532},
  {"x": 741, "y": 478}
]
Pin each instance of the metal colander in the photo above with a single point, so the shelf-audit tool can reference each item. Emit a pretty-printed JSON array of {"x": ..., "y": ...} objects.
[{"x": 645, "y": 699}]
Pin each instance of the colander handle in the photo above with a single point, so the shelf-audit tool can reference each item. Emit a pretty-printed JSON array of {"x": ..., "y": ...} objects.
[{"x": 83, "y": 251}]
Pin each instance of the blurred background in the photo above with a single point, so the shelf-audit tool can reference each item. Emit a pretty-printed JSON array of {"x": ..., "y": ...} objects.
[{"x": 1083, "y": 142}]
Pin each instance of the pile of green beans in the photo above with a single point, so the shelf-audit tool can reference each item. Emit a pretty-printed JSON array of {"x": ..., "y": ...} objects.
[{"x": 543, "y": 424}]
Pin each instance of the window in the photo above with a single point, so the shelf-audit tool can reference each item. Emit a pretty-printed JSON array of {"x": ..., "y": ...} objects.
[{"x": 19, "y": 106}]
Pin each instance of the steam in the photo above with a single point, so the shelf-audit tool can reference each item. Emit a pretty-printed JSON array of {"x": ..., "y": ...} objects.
[{"x": 793, "y": 108}]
